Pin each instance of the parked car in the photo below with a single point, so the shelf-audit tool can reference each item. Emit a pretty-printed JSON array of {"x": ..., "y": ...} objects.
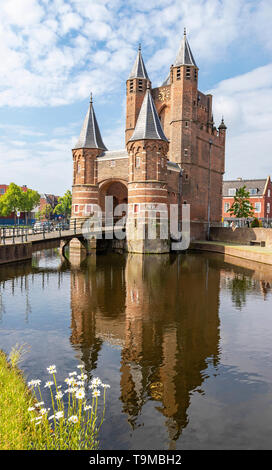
[
  {"x": 62, "y": 226},
  {"x": 40, "y": 226}
]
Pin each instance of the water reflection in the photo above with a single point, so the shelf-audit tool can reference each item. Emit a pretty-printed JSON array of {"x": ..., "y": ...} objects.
[
  {"x": 160, "y": 312},
  {"x": 164, "y": 313}
]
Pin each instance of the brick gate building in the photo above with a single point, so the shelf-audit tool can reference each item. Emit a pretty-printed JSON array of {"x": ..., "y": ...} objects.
[{"x": 173, "y": 153}]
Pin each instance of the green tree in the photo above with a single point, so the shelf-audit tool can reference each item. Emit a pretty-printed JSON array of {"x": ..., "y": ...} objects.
[
  {"x": 11, "y": 201},
  {"x": 46, "y": 211},
  {"x": 241, "y": 206},
  {"x": 64, "y": 205},
  {"x": 30, "y": 199}
]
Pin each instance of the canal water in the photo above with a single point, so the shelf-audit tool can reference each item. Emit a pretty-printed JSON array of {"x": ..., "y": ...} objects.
[{"x": 183, "y": 340}]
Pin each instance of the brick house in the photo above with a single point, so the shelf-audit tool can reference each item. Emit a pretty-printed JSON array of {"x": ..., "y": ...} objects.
[
  {"x": 260, "y": 197},
  {"x": 173, "y": 152}
]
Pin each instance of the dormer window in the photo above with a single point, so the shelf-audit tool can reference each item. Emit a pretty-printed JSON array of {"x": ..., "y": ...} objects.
[
  {"x": 232, "y": 191},
  {"x": 253, "y": 191}
]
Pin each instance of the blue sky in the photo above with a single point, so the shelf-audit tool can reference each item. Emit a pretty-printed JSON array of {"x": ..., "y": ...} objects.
[{"x": 53, "y": 53}]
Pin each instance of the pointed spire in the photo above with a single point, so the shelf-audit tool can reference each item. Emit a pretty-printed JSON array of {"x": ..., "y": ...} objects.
[
  {"x": 222, "y": 125},
  {"x": 138, "y": 70},
  {"x": 185, "y": 56},
  {"x": 90, "y": 136},
  {"x": 148, "y": 124}
]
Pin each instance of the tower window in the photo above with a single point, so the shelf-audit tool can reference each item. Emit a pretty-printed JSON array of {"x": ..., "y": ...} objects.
[
  {"x": 186, "y": 124},
  {"x": 195, "y": 74},
  {"x": 137, "y": 162},
  {"x": 130, "y": 86},
  {"x": 185, "y": 152},
  {"x": 140, "y": 85},
  {"x": 162, "y": 162},
  {"x": 188, "y": 72},
  {"x": 178, "y": 73}
]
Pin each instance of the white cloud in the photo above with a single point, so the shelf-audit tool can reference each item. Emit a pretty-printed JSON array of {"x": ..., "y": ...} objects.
[
  {"x": 246, "y": 103},
  {"x": 46, "y": 45}
]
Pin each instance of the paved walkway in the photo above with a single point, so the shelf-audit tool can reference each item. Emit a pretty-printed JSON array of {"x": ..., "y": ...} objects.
[{"x": 253, "y": 253}]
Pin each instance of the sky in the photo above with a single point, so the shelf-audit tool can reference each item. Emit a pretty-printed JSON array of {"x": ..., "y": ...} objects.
[{"x": 54, "y": 53}]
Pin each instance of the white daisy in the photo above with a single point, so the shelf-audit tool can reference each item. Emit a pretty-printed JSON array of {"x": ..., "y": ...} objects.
[
  {"x": 49, "y": 384},
  {"x": 73, "y": 419},
  {"x": 52, "y": 369},
  {"x": 80, "y": 394},
  {"x": 34, "y": 383},
  {"x": 96, "y": 393},
  {"x": 59, "y": 414}
]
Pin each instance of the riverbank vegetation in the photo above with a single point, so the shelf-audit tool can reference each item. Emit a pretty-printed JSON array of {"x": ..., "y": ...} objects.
[
  {"x": 15, "y": 421},
  {"x": 71, "y": 422}
]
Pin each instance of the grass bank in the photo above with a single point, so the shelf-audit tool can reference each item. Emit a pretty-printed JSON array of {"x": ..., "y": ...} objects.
[
  {"x": 71, "y": 423},
  {"x": 15, "y": 399}
]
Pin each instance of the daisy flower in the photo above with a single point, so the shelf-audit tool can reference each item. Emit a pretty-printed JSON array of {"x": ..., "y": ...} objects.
[
  {"x": 96, "y": 382},
  {"x": 52, "y": 369},
  {"x": 34, "y": 383},
  {"x": 48, "y": 384},
  {"x": 96, "y": 393},
  {"x": 80, "y": 394},
  {"x": 73, "y": 419}
]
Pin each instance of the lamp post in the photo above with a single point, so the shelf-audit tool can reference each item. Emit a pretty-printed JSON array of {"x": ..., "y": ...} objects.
[{"x": 209, "y": 190}]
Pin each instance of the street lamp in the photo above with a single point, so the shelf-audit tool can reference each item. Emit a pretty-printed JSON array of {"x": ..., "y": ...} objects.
[{"x": 209, "y": 190}]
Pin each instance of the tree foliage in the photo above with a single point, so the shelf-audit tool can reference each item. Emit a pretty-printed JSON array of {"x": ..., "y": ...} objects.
[
  {"x": 241, "y": 206},
  {"x": 64, "y": 205},
  {"x": 15, "y": 199}
]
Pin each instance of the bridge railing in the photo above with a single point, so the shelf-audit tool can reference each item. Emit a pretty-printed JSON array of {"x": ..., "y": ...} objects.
[{"x": 21, "y": 234}]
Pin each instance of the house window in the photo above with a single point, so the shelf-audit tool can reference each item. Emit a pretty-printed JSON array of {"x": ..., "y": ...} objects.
[
  {"x": 268, "y": 208},
  {"x": 76, "y": 208},
  {"x": 2, "y": 190},
  {"x": 232, "y": 191},
  {"x": 136, "y": 208},
  {"x": 268, "y": 193},
  {"x": 137, "y": 162},
  {"x": 226, "y": 206},
  {"x": 258, "y": 207}
]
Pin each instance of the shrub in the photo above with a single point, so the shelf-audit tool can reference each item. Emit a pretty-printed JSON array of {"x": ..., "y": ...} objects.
[{"x": 255, "y": 223}]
